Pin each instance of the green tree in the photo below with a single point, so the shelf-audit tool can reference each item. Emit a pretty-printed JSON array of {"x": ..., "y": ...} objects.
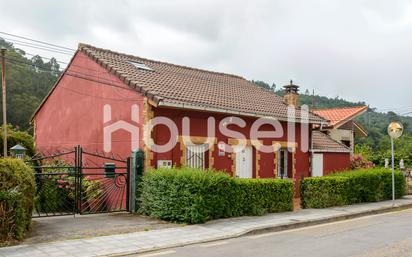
[{"x": 28, "y": 82}]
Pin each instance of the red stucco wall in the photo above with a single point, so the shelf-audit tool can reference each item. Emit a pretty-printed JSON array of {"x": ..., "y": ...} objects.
[
  {"x": 335, "y": 162},
  {"x": 198, "y": 127},
  {"x": 73, "y": 113}
]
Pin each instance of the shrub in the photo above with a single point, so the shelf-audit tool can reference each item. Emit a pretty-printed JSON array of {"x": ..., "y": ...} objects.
[
  {"x": 372, "y": 185},
  {"x": 322, "y": 192},
  {"x": 359, "y": 162},
  {"x": 358, "y": 186},
  {"x": 12, "y": 217},
  {"x": 17, "y": 186},
  {"x": 260, "y": 196},
  {"x": 195, "y": 196}
]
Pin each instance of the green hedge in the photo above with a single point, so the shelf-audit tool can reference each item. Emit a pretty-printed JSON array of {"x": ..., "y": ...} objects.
[
  {"x": 12, "y": 217},
  {"x": 17, "y": 186},
  {"x": 260, "y": 196},
  {"x": 196, "y": 196},
  {"x": 357, "y": 186}
]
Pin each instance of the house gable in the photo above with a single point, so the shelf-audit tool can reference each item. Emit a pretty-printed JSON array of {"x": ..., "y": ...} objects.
[{"x": 74, "y": 110}]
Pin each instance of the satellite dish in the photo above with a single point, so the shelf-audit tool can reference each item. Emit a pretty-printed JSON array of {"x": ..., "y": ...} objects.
[{"x": 395, "y": 130}]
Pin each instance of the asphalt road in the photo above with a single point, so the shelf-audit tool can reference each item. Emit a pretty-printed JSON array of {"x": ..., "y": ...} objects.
[{"x": 388, "y": 234}]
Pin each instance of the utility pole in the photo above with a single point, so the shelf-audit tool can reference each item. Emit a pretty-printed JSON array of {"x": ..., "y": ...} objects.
[{"x": 3, "y": 88}]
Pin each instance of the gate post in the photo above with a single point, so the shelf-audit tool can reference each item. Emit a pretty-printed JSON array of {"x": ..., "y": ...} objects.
[
  {"x": 137, "y": 169},
  {"x": 76, "y": 175}
]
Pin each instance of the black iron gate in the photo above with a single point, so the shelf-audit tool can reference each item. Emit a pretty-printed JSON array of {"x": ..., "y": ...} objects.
[{"x": 80, "y": 182}]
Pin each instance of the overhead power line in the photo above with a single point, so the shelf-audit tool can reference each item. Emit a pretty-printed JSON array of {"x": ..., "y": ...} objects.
[
  {"x": 76, "y": 74},
  {"x": 37, "y": 41},
  {"x": 24, "y": 43},
  {"x": 44, "y": 48},
  {"x": 406, "y": 113},
  {"x": 31, "y": 64},
  {"x": 24, "y": 65},
  {"x": 47, "y": 58},
  {"x": 65, "y": 63},
  {"x": 60, "y": 62},
  {"x": 99, "y": 82},
  {"x": 397, "y": 109}
]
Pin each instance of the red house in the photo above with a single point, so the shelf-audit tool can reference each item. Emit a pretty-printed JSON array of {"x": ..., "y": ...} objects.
[
  {"x": 105, "y": 101},
  {"x": 342, "y": 126},
  {"x": 335, "y": 140}
]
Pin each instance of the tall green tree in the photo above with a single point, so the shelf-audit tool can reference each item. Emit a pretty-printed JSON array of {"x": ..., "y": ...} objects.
[{"x": 28, "y": 81}]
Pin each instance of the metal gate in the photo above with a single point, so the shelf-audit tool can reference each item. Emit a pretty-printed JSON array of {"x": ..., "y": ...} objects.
[{"x": 80, "y": 182}]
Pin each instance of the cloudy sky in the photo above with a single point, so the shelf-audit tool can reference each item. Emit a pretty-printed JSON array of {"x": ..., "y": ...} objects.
[{"x": 360, "y": 50}]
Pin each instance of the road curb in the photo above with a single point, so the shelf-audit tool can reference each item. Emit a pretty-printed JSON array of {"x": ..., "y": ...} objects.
[
  {"x": 276, "y": 228},
  {"x": 301, "y": 224}
]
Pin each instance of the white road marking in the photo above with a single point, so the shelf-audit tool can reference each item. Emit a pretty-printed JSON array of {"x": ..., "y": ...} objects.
[
  {"x": 214, "y": 244},
  {"x": 158, "y": 253},
  {"x": 323, "y": 225}
]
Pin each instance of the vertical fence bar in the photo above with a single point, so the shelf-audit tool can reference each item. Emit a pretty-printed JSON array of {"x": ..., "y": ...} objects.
[
  {"x": 133, "y": 182},
  {"x": 80, "y": 179},
  {"x": 128, "y": 185},
  {"x": 76, "y": 157}
]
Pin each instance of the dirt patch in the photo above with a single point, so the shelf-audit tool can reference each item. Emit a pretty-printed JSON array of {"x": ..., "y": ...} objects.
[{"x": 69, "y": 227}]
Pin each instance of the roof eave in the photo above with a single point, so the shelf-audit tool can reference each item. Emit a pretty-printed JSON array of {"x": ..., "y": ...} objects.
[
  {"x": 329, "y": 151},
  {"x": 361, "y": 130},
  {"x": 351, "y": 117}
]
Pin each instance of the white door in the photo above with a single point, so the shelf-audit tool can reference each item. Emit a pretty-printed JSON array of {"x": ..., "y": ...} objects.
[
  {"x": 244, "y": 162},
  {"x": 317, "y": 165}
]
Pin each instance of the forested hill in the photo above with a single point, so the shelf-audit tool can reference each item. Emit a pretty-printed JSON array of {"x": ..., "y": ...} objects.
[
  {"x": 28, "y": 80},
  {"x": 306, "y": 97}
]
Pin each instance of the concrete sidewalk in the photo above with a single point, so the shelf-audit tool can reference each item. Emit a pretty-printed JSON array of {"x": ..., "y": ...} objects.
[{"x": 219, "y": 229}]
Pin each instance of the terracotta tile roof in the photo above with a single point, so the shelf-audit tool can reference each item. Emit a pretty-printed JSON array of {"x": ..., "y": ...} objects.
[
  {"x": 339, "y": 116},
  {"x": 184, "y": 87},
  {"x": 322, "y": 142}
]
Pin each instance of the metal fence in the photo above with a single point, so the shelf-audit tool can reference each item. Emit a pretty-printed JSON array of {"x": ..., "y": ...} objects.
[{"x": 80, "y": 182}]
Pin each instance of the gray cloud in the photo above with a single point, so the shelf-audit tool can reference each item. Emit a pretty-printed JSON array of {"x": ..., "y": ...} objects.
[{"x": 355, "y": 49}]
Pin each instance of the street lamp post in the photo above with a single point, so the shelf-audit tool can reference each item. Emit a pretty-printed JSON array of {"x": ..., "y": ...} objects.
[{"x": 395, "y": 130}]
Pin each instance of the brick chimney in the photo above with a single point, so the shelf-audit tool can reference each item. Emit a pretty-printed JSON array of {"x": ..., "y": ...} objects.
[{"x": 291, "y": 96}]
